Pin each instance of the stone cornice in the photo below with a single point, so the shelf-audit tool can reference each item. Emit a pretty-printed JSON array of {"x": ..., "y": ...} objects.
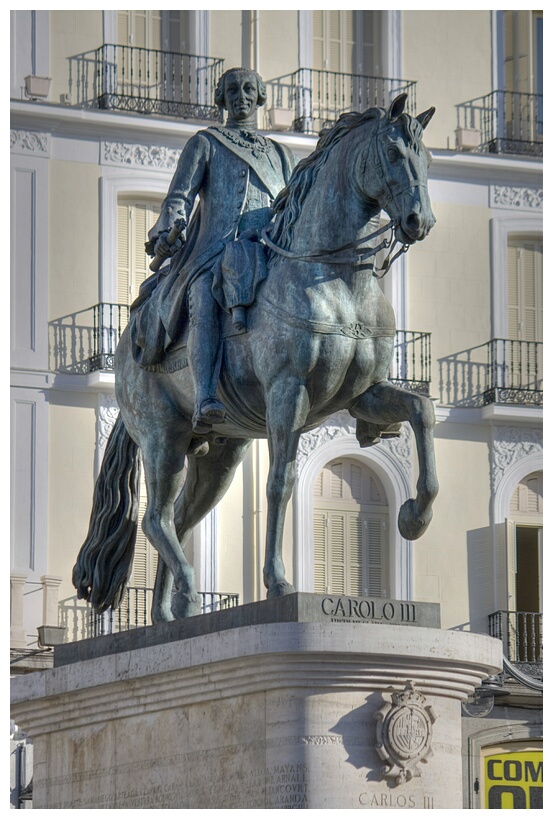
[
  {"x": 257, "y": 658},
  {"x": 109, "y": 125},
  {"x": 63, "y": 120}
]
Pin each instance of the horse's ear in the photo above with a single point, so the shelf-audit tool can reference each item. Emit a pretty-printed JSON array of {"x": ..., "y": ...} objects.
[
  {"x": 426, "y": 116},
  {"x": 396, "y": 108}
]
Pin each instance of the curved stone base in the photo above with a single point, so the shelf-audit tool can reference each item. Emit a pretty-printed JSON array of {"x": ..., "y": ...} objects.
[{"x": 279, "y": 715}]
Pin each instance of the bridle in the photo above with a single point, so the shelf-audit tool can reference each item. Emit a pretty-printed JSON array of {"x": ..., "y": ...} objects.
[
  {"x": 340, "y": 255},
  {"x": 336, "y": 256}
]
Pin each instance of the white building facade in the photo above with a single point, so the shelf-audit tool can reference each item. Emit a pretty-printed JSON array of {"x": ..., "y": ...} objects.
[{"x": 101, "y": 105}]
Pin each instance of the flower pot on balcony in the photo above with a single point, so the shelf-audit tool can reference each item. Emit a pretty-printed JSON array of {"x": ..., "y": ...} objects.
[
  {"x": 50, "y": 635},
  {"x": 37, "y": 87},
  {"x": 280, "y": 119},
  {"x": 467, "y": 139}
]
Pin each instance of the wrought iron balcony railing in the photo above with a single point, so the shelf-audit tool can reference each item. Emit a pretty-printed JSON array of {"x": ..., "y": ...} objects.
[
  {"x": 85, "y": 341},
  {"x": 309, "y": 99},
  {"x": 504, "y": 122},
  {"x": 146, "y": 81},
  {"x": 81, "y": 622},
  {"x": 502, "y": 371},
  {"x": 411, "y": 364},
  {"x": 522, "y": 637}
]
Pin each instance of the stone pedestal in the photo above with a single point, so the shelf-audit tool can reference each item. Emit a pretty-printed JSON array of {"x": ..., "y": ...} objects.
[{"x": 339, "y": 713}]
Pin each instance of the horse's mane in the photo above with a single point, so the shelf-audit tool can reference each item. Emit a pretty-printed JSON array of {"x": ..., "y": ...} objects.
[{"x": 288, "y": 204}]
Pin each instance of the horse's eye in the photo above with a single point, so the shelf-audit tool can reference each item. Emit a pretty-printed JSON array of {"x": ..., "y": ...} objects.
[{"x": 393, "y": 153}]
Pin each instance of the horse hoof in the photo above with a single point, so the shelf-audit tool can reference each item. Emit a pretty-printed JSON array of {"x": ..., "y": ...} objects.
[
  {"x": 280, "y": 589},
  {"x": 411, "y": 524},
  {"x": 186, "y": 605}
]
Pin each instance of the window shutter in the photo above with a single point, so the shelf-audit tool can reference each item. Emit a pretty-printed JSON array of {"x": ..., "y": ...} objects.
[
  {"x": 134, "y": 219},
  {"x": 319, "y": 546},
  {"x": 123, "y": 28},
  {"x": 513, "y": 296},
  {"x": 123, "y": 254},
  {"x": 336, "y": 549},
  {"x": 355, "y": 555},
  {"x": 525, "y": 290},
  {"x": 334, "y": 44},
  {"x": 318, "y": 40},
  {"x": 336, "y": 489},
  {"x": 374, "y": 526},
  {"x": 518, "y": 48}
]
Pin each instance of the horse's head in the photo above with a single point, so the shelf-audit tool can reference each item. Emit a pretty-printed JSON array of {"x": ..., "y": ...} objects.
[{"x": 394, "y": 171}]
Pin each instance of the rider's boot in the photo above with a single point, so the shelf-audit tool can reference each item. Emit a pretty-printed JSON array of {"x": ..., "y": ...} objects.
[{"x": 202, "y": 356}]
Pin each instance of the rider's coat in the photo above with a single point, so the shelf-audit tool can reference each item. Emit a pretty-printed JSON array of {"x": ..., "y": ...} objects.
[{"x": 232, "y": 180}]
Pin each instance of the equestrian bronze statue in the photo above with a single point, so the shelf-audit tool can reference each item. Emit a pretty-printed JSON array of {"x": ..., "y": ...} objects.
[{"x": 318, "y": 338}]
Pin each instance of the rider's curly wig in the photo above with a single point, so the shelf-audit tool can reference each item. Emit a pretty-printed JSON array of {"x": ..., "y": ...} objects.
[{"x": 220, "y": 89}]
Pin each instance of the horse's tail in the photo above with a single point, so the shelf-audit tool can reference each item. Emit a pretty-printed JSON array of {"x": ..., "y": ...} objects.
[{"x": 104, "y": 562}]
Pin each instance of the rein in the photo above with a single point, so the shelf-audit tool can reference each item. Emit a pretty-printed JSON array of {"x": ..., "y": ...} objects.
[{"x": 333, "y": 257}]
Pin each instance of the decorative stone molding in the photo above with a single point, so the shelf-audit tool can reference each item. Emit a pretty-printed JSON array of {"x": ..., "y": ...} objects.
[
  {"x": 156, "y": 157},
  {"x": 404, "y": 733},
  {"x": 511, "y": 444},
  {"x": 508, "y": 196},
  {"x": 341, "y": 424},
  {"x": 30, "y": 142}
]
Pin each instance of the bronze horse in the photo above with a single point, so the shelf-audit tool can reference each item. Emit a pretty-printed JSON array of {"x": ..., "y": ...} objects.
[{"x": 320, "y": 339}]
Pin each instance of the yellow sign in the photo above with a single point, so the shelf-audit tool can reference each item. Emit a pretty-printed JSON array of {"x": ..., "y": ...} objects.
[{"x": 514, "y": 780}]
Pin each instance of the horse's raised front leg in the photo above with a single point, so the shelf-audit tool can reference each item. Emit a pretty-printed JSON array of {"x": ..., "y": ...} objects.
[
  {"x": 164, "y": 473},
  {"x": 384, "y": 404},
  {"x": 287, "y": 409}
]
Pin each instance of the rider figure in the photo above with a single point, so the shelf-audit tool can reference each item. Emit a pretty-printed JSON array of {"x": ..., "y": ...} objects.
[{"x": 235, "y": 174}]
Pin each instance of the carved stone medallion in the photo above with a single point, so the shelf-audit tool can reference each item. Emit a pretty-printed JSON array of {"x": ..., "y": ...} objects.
[{"x": 404, "y": 733}]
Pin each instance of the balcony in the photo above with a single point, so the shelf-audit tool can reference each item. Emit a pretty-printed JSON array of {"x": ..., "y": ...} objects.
[
  {"x": 146, "y": 81},
  {"x": 411, "y": 363},
  {"x": 81, "y": 621},
  {"x": 522, "y": 636},
  {"x": 309, "y": 99},
  {"x": 86, "y": 341},
  {"x": 502, "y": 371},
  {"x": 503, "y": 122}
]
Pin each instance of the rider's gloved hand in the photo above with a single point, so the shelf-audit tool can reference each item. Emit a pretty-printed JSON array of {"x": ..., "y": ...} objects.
[{"x": 163, "y": 248}]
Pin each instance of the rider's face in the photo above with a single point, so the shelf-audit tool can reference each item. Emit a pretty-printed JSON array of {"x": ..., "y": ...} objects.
[{"x": 241, "y": 95}]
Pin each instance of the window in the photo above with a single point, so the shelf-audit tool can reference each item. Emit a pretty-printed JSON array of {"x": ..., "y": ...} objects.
[
  {"x": 523, "y": 74},
  {"x": 134, "y": 220},
  {"x": 346, "y": 50},
  {"x": 525, "y": 289},
  {"x": 524, "y": 570},
  {"x": 350, "y": 522},
  {"x": 141, "y": 29},
  {"x": 346, "y": 41}
]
